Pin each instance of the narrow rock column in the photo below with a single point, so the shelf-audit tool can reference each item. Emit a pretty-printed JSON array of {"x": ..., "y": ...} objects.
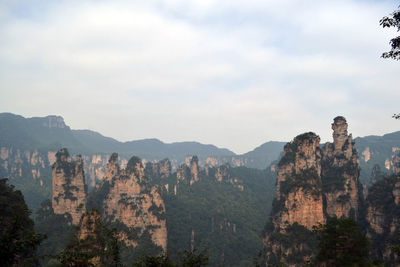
[{"x": 69, "y": 188}]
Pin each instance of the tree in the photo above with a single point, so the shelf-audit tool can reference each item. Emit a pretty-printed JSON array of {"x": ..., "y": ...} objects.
[
  {"x": 392, "y": 21},
  {"x": 193, "y": 258},
  {"x": 18, "y": 240},
  {"x": 187, "y": 258},
  {"x": 341, "y": 243},
  {"x": 154, "y": 261},
  {"x": 94, "y": 244}
]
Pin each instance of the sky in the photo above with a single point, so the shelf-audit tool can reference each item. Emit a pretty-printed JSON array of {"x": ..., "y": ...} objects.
[{"x": 232, "y": 73}]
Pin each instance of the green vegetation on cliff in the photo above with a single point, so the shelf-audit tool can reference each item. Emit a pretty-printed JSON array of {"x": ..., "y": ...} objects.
[
  {"x": 219, "y": 216},
  {"x": 57, "y": 228},
  {"x": 341, "y": 243}
]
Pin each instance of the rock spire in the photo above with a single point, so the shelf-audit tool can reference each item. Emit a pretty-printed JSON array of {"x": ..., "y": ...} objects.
[{"x": 69, "y": 188}]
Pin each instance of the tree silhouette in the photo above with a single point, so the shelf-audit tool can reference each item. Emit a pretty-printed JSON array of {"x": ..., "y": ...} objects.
[
  {"x": 341, "y": 243},
  {"x": 392, "y": 21},
  {"x": 18, "y": 240}
]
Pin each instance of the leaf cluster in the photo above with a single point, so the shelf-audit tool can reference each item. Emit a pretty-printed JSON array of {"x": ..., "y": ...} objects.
[{"x": 392, "y": 21}]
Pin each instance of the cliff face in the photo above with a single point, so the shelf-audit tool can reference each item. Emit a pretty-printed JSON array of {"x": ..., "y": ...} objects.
[
  {"x": 383, "y": 214},
  {"x": 160, "y": 169},
  {"x": 93, "y": 242},
  {"x": 299, "y": 183},
  {"x": 340, "y": 172},
  {"x": 89, "y": 237},
  {"x": 133, "y": 201},
  {"x": 189, "y": 171},
  {"x": 396, "y": 164},
  {"x": 17, "y": 164},
  {"x": 313, "y": 184},
  {"x": 69, "y": 189},
  {"x": 194, "y": 170},
  {"x": 299, "y": 200},
  {"x": 383, "y": 218}
]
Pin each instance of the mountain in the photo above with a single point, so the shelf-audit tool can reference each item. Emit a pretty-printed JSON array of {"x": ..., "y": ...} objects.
[
  {"x": 28, "y": 147},
  {"x": 153, "y": 209},
  {"x": 97, "y": 142},
  {"x": 47, "y": 133},
  {"x": 377, "y": 150},
  {"x": 313, "y": 184},
  {"x": 262, "y": 156},
  {"x": 51, "y": 133},
  {"x": 318, "y": 183}
]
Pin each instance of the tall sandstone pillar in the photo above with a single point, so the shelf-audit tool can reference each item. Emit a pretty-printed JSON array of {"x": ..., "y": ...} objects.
[
  {"x": 299, "y": 183},
  {"x": 69, "y": 189},
  {"x": 340, "y": 173},
  {"x": 133, "y": 201},
  {"x": 313, "y": 184},
  {"x": 298, "y": 204}
]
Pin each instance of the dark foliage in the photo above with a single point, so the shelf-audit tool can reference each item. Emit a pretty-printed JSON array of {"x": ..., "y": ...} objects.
[
  {"x": 18, "y": 240},
  {"x": 154, "y": 261},
  {"x": 57, "y": 228},
  {"x": 308, "y": 180},
  {"x": 381, "y": 198},
  {"x": 333, "y": 177},
  {"x": 102, "y": 248},
  {"x": 223, "y": 218},
  {"x": 301, "y": 242},
  {"x": 187, "y": 258},
  {"x": 392, "y": 21},
  {"x": 131, "y": 166},
  {"x": 341, "y": 243}
]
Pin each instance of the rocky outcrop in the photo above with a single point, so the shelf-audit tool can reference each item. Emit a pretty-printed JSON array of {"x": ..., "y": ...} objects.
[
  {"x": 299, "y": 183},
  {"x": 16, "y": 163},
  {"x": 222, "y": 172},
  {"x": 96, "y": 166},
  {"x": 340, "y": 173},
  {"x": 383, "y": 214},
  {"x": 94, "y": 242},
  {"x": 396, "y": 163},
  {"x": 89, "y": 233},
  {"x": 376, "y": 173},
  {"x": 313, "y": 184},
  {"x": 160, "y": 169},
  {"x": 69, "y": 189},
  {"x": 189, "y": 171},
  {"x": 366, "y": 154},
  {"x": 299, "y": 201},
  {"x": 54, "y": 122},
  {"x": 133, "y": 201},
  {"x": 182, "y": 173},
  {"x": 194, "y": 170},
  {"x": 112, "y": 167}
]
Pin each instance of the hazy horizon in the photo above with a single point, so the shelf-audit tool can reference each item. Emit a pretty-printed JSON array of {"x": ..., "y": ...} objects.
[
  {"x": 182, "y": 141},
  {"x": 233, "y": 74}
]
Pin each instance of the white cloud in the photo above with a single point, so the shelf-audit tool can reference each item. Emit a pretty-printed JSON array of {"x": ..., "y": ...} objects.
[{"x": 234, "y": 73}]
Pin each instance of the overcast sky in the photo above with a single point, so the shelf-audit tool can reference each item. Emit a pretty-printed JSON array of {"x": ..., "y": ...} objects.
[{"x": 232, "y": 73}]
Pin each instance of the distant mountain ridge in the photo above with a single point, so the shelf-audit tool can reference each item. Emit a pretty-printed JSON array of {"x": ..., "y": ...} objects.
[{"x": 51, "y": 133}]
